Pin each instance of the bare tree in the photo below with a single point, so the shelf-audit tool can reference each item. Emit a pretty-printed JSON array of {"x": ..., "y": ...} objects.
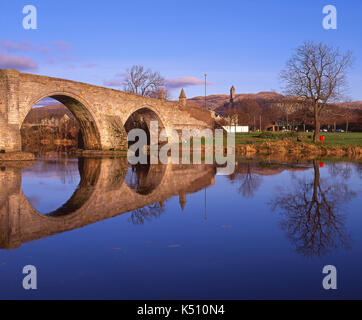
[
  {"x": 289, "y": 107},
  {"x": 143, "y": 82},
  {"x": 160, "y": 93},
  {"x": 317, "y": 73},
  {"x": 248, "y": 110}
]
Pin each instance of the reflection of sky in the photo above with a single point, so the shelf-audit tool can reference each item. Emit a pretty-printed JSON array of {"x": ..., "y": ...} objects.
[
  {"x": 48, "y": 185},
  {"x": 238, "y": 252}
]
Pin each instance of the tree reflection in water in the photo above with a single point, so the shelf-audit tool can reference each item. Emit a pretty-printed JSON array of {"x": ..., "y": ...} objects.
[
  {"x": 359, "y": 169},
  {"x": 341, "y": 170},
  {"x": 144, "y": 179},
  {"x": 141, "y": 215},
  {"x": 313, "y": 213},
  {"x": 249, "y": 181}
]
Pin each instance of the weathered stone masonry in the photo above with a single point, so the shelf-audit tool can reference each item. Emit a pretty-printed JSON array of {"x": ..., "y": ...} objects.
[{"x": 101, "y": 112}]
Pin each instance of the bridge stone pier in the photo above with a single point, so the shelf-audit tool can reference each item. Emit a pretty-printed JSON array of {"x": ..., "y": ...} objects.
[
  {"x": 102, "y": 113},
  {"x": 103, "y": 193}
]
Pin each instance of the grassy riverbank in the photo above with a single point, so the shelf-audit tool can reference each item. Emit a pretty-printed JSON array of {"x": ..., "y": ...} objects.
[
  {"x": 17, "y": 156},
  {"x": 301, "y": 145},
  {"x": 331, "y": 138}
]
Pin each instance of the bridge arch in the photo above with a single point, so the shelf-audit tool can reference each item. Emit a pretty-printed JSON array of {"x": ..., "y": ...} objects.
[
  {"x": 146, "y": 113},
  {"x": 81, "y": 110}
]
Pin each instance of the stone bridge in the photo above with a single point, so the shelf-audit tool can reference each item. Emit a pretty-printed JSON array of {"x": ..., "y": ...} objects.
[
  {"x": 103, "y": 192},
  {"x": 104, "y": 115}
]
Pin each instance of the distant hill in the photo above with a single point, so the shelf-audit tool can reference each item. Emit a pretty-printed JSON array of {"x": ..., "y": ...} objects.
[
  {"x": 352, "y": 105},
  {"x": 52, "y": 111},
  {"x": 215, "y": 101}
]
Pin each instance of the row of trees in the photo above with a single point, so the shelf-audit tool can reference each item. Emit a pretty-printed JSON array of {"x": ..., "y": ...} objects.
[
  {"x": 43, "y": 132},
  {"x": 290, "y": 112}
]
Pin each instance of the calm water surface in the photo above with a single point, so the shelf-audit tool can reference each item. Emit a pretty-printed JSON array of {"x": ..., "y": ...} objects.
[{"x": 97, "y": 228}]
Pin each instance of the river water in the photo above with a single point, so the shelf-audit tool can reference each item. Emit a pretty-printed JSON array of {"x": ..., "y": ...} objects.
[{"x": 98, "y": 228}]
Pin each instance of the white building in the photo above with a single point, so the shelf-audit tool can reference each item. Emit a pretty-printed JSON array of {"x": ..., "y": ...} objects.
[{"x": 236, "y": 129}]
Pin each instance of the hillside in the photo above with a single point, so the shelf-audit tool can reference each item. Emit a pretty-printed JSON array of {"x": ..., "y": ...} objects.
[
  {"x": 215, "y": 101},
  {"x": 352, "y": 105},
  {"x": 56, "y": 111}
]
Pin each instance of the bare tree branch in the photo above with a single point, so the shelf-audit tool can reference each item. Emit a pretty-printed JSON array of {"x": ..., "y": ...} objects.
[
  {"x": 143, "y": 82},
  {"x": 317, "y": 73}
]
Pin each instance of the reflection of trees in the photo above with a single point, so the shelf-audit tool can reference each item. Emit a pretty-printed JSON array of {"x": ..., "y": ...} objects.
[
  {"x": 141, "y": 215},
  {"x": 312, "y": 211},
  {"x": 249, "y": 181},
  {"x": 249, "y": 184},
  {"x": 137, "y": 176},
  {"x": 144, "y": 179},
  {"x": 359, "y": 169},
  {"x": 341, "y": 170}
]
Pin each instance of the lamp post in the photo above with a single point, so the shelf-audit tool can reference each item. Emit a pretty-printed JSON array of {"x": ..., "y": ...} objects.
[{"x": 205, "y": 88}]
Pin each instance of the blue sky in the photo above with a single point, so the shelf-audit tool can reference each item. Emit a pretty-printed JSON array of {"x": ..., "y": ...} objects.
[{"x": 240, "y": 43}]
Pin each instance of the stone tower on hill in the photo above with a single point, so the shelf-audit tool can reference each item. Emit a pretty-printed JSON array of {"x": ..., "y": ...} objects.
[{"x": 232, "y": 94}]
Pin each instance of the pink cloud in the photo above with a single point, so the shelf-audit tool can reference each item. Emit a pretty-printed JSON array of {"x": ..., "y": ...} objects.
[
  {"x": 113, "y": 83},
  {"x": 184, "y": 82},
  {"x": 62, "y": 45},
  {"x": 122, "y": 74},
  {"x": 17, "y": 62},
  {"x": 14, "y": 47},
  {"x": 23, "y": 46}
]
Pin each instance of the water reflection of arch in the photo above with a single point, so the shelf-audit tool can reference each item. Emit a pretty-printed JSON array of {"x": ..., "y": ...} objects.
[
  {"x": 89, "y": 170},
  {"x": 110, "y": 197},
  {"x": 112, "y": 178},
  {"x": 145, "y": 179},
  {"x": 10, "y": 181},
  {"x": 95, "y": 175}
]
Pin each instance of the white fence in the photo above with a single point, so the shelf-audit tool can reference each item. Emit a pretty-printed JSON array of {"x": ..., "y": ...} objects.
[{"x": 236, "y": 129}]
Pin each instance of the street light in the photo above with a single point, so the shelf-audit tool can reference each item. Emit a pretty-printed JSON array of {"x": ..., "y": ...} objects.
[{"x": 205, "y": 88}]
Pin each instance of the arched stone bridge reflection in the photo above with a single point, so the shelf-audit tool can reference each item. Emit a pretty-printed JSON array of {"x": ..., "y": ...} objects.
[{"x": 103, "y": 192}]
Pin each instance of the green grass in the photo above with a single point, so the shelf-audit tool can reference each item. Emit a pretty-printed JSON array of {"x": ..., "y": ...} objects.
[
  {"x": 331, "y": 139},
  {"x": 342, "y": 139}
]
